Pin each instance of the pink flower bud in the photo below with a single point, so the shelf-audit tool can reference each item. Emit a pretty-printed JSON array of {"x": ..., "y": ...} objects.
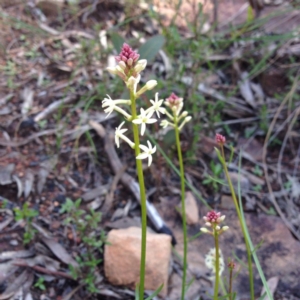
[
  {"x": 213, "y": 216},
  {"x": 231, "y": 265},
  {"x": 128, "y": 56},
  {"x": 220, "y": 139}
]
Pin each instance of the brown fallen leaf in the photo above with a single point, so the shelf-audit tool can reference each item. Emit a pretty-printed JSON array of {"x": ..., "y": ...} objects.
[
  {"x": 60, "y": 252},
  {"x": 272, "y": 284}
]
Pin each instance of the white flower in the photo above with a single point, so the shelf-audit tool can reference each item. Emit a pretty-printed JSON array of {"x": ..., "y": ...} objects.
[
  {"x": 156, "y": 106},
  {"x": 148, "y": 151},
  {"x": 119, "y": 134},
  {"x": 164, "y": 123},
  {"x": 143, "y": 119},
  {"x": 210, "y": 261},
  {"x": 110, "y": 104}
]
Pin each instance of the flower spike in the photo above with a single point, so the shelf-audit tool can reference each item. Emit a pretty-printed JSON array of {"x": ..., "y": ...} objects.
[{"x": 220, "y": 139}]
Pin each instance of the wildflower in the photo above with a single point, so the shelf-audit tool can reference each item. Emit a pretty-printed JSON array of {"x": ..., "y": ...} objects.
[
  {"x": 156, "y": 106},
  {"x": 175, "y": 103},
  {"x": 165, "y": 123},
  {"x": 231, "y": 265},
  {"x": 213, "y": 219},
  {"x": 128, "y": 56},
  {"x": 111, "y": 105},
  {"x": 143, "y": 119},
  {"x": 119, "y": 134},
  {"x": 210, "y": 261},
  {"x": 148, "y": 151},
  {"x": 220, "y": 139},
  {"x": 127, "y": 64}
]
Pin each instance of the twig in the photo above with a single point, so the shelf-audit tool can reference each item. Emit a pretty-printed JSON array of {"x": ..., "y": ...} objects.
[
  {"x": 129, "y": 181},
  {"x": 53, "y": 107},
  {"x": 110, "y": 195},
  {"x": 43, "y": 270},
  {"x": 272, "y": 197}
]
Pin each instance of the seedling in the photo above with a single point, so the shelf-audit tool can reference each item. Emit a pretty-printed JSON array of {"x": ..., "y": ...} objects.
[{"x": 27, "y": 214}]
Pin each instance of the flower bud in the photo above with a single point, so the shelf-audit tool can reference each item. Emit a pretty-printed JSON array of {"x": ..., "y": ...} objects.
[
  {"x": 148, "y": 86},
  {"x": 164, "y": 123},
  {"x": 151, "y": 84},
  {"x": 220, "y": 139},
  {"x": 221, "y": 219},
  {"x": 140, "y": 65},
  {"x": 224, "y": 228},
  {"x": 112, "y": 70},
  {"x": 204, "y": 230},
  {"x": 188, "y": 118},
  {"x": 122, "y": 65}
]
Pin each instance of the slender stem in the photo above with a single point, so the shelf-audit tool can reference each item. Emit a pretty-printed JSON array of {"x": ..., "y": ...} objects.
[
  {"x": 216, "y": 290},
  {"x": 139, "y": 168},
  {"x": 230, "y": 283},
  {"x": 241, "y": 224},
  {"x": 182, "y": 207},
  {"x": 223, "y": 288}
]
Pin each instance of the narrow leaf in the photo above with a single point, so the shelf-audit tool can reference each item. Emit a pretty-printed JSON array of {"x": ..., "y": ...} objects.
[
  {"x": 151, "y": 47},
  {"x": 117, "y": 41},
  {"x": 155, "y": 293}
]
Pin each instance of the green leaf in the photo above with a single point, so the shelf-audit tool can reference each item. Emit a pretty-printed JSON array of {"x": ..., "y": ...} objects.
[
  {"x": 117, "y": 41},
  {"x": 220, "y": 156},
  {"x": 250, "y": 14},
  {"x": 151, "y": 47},
  {"x": 155, "y": 293}
]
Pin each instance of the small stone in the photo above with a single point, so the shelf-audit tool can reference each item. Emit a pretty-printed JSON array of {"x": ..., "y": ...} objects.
[
  {"x": 191, "y": 209},
  {"x": 122, "y": 258},
  {"x": 14, "y": 243}
]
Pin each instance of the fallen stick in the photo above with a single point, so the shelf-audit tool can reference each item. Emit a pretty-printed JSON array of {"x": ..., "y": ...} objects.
[{"x": 130, "y": 182}]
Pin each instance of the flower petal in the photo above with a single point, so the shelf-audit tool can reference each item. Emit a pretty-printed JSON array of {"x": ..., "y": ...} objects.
[
  {"x": 142, "y": 156},
  {"x": 137, "y": 121},
  {"x": 143, "y": 128},
  {"x": 144, "y": 148}
]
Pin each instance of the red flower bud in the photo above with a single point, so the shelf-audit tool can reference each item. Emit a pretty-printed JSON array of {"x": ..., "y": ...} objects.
[{"x": 220, "y": 139}]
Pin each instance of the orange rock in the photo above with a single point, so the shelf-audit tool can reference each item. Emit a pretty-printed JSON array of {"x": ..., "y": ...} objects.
[{"x": 122, "y": 258}]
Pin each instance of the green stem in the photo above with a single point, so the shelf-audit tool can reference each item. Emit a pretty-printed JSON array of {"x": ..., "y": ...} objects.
[
  {"x": 216, "y": 290},
  {"x": 241, "y": 224},
  {"x": 223, "y": 288},
  {"x": 182, "y": 207},
  {"x": 230, "y": 283},
  {"x": 139, "y": 168}
]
